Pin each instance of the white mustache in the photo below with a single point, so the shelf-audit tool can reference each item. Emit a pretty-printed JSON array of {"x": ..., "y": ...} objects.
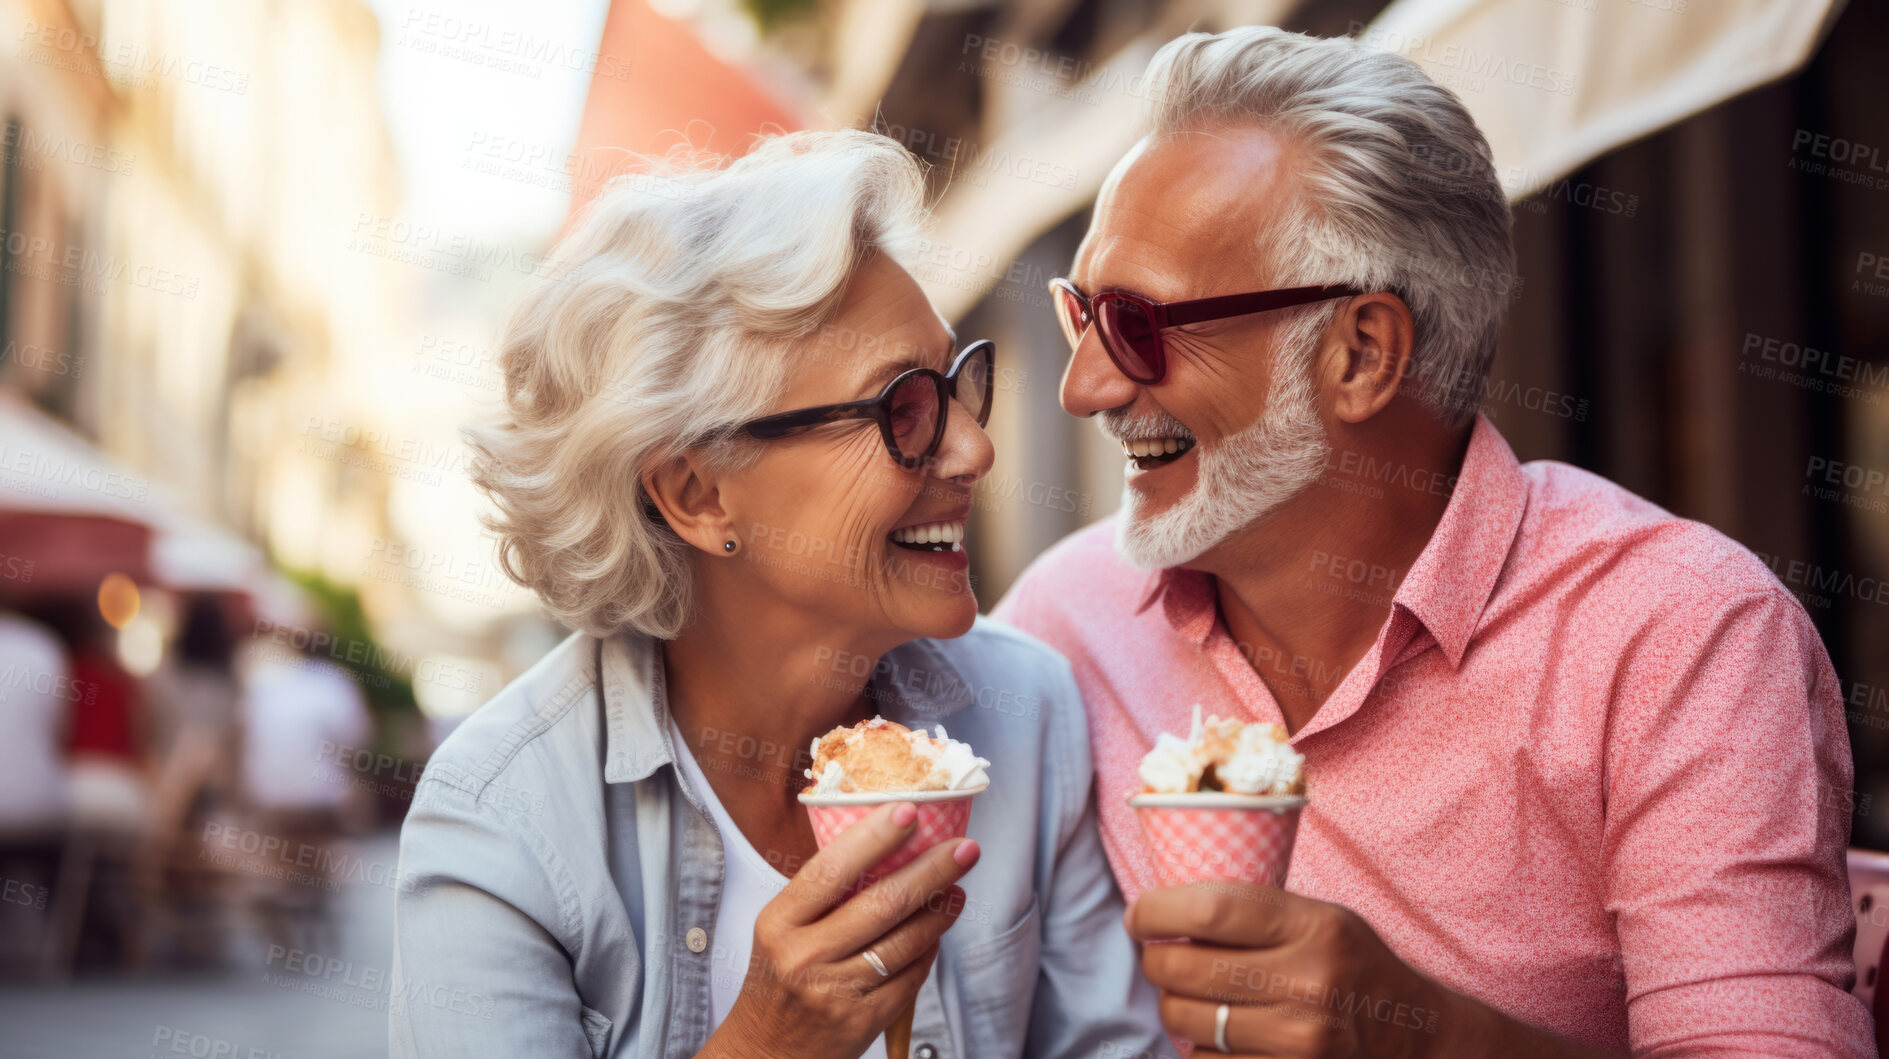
[{"x": 1118, "y": 425}]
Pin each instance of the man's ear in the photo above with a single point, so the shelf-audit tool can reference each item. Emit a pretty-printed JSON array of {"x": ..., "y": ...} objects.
[
  {"x": 688, "y": 493},
  {"x": 1375, "y": 334}
]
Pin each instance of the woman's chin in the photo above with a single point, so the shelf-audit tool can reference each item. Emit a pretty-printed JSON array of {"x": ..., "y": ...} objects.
[{"x": 931, "y": 614}]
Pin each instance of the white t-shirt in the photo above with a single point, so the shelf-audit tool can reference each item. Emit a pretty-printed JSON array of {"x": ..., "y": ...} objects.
[
  {"x": 301, "y": 716},
  {"x": 748, "y": 883},
  {"x": 36, "y": 696}
]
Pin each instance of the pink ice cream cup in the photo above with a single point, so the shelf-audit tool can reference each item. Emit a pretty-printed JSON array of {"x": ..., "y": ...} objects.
[
  {"x": 1206, "y": 836},
  {"x": 942, "y": 816}
]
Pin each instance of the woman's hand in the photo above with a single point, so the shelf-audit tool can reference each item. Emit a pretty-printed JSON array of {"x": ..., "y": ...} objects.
[{"x": 810, "y": 992}]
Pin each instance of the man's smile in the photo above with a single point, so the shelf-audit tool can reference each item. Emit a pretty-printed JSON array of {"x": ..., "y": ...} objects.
[{"x": 1145, "y": 454}]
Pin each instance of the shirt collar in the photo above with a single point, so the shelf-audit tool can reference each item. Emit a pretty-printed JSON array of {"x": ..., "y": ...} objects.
[
  {"x": 916, "y": 684},
  {"x": 1448, "y": 586},
  {"x": 635, "y": 710}
]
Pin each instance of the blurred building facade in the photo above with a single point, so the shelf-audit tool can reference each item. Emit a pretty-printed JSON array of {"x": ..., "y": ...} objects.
[
  {"x": 172, "y": 193},
  {"x": 211, "y": 277}
]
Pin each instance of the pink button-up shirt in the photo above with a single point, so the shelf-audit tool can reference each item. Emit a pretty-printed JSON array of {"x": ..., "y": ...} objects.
[{"x": 1593, "y": 771}]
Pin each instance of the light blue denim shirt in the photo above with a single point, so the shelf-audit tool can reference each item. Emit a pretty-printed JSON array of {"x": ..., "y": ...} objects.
[{"x": 560, "y": 879}]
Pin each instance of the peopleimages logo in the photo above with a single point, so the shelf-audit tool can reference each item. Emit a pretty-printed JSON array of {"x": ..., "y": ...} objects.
[
  {"x": 1461, "y": 67},
  {"x": 51, "y": 685}
]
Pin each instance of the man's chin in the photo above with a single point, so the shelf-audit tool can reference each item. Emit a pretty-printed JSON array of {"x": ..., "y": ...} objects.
[
  {"x": 1189, "y": 528},
  {"x": 1160, "y": 539}
]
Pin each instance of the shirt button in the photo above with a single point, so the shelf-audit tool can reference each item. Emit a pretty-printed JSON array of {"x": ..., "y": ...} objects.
[
  {"x": 926, "y": 1051},
  {"x": 696, "y": 939}
]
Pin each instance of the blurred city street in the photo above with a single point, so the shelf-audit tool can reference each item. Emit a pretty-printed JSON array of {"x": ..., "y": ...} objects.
[
  {"x": 261, "y": 1005},
  {"x": 257, "y": 261}
]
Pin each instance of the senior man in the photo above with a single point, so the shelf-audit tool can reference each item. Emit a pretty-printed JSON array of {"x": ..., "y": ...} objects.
[{"x": 1578, "y": 771}]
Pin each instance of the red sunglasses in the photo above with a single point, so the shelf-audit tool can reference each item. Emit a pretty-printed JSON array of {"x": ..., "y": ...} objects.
[{"x": 1131, "y": 325}]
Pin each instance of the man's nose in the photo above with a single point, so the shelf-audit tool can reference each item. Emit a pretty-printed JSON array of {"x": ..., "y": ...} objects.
[{"x": 1092, "y": 383}]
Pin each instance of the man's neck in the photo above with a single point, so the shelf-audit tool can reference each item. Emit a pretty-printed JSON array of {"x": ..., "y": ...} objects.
[{"x": 1305, "y": 591}]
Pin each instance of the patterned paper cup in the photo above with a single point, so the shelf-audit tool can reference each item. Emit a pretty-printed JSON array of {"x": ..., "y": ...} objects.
[
  {"x": 942, "y": 816},
  {"x": 1214, "y": 835}
]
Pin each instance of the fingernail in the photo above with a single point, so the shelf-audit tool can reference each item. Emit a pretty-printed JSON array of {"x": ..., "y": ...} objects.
[
  {"x": 904, "y": 813},
  {"x": 966, "y": 853}
]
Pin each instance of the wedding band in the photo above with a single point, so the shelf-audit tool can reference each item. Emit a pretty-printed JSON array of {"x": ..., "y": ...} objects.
[
  {"x": 1220, "y": 1029},
  {"x": 879, "y": 965}
]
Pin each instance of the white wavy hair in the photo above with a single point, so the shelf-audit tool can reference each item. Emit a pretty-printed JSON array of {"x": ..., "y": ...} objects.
[
  {"x": 670, "y": 314},
  {"x": 1399, "y": 191}
]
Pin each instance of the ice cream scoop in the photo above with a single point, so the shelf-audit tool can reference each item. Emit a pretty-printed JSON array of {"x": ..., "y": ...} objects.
[
  {"x": 1222, "y": 803},
  {"x": 887, "y": 757},
  {"x": 1222, "y": 754}
]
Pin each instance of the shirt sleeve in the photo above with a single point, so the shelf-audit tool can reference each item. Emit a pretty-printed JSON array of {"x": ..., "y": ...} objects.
[
  {"x": 476, "y": 972},
  {"x": 1091, "y": 998},
  {"x": 1728, "y": 800}
]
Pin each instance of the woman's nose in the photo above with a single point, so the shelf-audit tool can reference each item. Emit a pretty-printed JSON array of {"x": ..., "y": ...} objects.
[
  {"x": 965, "y": 453},
  {"x": 1092, "y": 383}
]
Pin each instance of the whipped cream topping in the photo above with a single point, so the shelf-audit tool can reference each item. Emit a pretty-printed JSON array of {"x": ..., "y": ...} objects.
[
  {"x": 961, "y": 769},
  {"x": 829, "y": 779},
  {"x": 1173, "y": 766},
  {"x": 1255, "y": 760},
  {"x": 1260, "y": 763}
]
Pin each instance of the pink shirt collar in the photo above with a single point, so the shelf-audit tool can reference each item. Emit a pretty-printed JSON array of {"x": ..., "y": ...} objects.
[{"x": 1448, "y": 586}]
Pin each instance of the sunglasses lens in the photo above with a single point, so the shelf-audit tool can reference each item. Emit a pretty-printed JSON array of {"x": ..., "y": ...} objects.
[
  {"x": 1130, "y": 338},
  {"x": 915, "y": 416},
  {"x": 1069, "y": 313},
  {"x": 974, "y": 384}
]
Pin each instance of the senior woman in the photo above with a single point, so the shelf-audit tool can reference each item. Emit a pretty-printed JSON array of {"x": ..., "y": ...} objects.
[{"x": 737, "y": 450}]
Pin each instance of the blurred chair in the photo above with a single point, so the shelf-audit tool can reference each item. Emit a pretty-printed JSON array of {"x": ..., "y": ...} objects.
[{"x": 1869, "y": 895}]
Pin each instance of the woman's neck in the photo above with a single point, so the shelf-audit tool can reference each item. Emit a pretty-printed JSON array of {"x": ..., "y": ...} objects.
[{"x": 750, "y": 686}]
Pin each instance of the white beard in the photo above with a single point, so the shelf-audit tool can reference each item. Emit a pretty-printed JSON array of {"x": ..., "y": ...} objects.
[{"x": 1238, "y": 481}]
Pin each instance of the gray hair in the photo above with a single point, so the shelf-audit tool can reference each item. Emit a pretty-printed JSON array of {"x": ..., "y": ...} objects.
[
  {"x": 669, "y": 315},
  {"x": 1399, "y": 192}
]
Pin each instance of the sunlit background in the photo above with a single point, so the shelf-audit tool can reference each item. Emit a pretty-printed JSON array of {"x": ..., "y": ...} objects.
[{"x": 256, "y": 254}]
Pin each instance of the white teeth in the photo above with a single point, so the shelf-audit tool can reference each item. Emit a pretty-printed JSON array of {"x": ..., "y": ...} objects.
[
  {"x": 1143, "y": 447},
  {"x": 930, "y": 533}
]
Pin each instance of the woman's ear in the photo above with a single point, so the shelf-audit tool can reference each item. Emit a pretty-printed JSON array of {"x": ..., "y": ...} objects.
[
  {"x": 688, "y": 493},
  {"x": 1376, "y": 334}
]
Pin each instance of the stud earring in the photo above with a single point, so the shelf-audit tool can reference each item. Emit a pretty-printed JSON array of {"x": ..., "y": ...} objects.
[{"x": 728, "y": 546}]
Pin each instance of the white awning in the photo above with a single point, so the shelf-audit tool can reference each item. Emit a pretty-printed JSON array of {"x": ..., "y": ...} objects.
[
  {"x": 47, "y": 468},
  {"x": 1553, "y": 84}
]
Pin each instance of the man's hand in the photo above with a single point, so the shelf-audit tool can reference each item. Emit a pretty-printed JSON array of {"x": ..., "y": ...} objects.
[{"x": 1306, "y": 978}]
